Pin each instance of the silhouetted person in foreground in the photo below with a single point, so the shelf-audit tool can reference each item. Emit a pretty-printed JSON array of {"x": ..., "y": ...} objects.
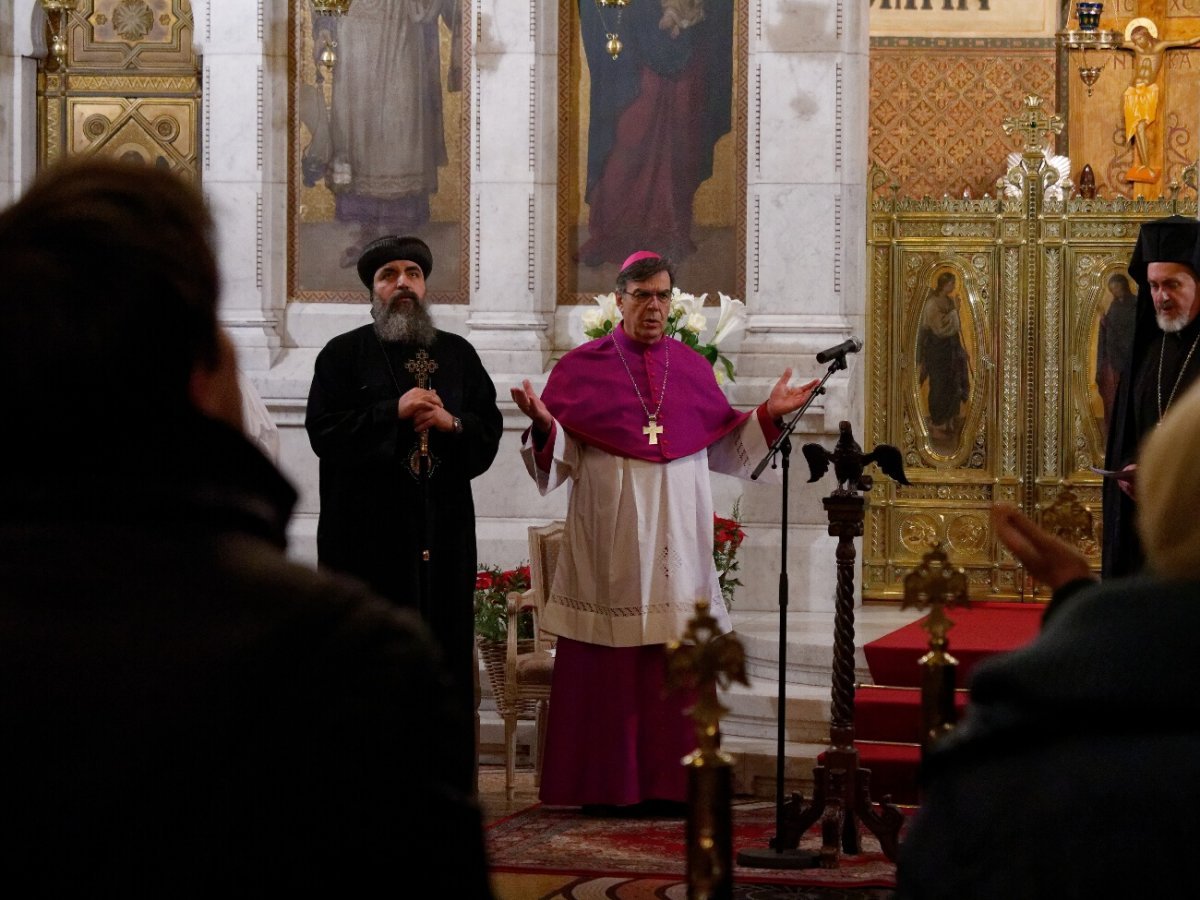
[
  {"x": 184, "y": 712},
  {"x": 1075, "y": 771}
]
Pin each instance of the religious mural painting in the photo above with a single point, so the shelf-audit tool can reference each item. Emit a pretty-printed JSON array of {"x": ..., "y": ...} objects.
[
  {"x": 945, "y": 353},
  {"x": 651, "y": 143},
  {"x": 378, "y": 142},
  {"x": 1101, "y": 345}
]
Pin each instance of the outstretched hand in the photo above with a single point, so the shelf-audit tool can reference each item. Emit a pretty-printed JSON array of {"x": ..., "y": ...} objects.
[
  {"x": 531, "y": 404},
  {"x": 784, "y": 399},
  {"x": 1048, "y": 558}
]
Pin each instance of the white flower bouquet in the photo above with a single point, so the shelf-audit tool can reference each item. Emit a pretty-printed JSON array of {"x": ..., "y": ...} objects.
[{"x": 686, "y": 322}]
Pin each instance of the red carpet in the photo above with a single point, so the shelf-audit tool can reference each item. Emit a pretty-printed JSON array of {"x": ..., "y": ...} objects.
[
  {"x": 887, "y": 715},
  {"x": 545, "y": 839},
  {"x": 979, "y": 631}
]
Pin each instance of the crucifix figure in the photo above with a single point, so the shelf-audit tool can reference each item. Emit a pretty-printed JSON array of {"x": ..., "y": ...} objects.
[
  {"x": 421, "y": 368},
  {"x": 1141, "y": 97}
]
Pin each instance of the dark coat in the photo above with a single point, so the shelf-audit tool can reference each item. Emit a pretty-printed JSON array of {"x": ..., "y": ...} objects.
[
  {"x": 1077, "y": 768},
  {"x": 1175, "y": 239},
  {"x": 373, "y": 521},
  {"x": 186, "y": 713}
]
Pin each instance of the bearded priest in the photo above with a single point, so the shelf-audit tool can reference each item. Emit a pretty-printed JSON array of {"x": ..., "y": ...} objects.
[{"x": 634, "y": 423}]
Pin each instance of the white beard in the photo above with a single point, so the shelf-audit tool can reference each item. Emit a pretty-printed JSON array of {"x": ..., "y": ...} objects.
[
  {"x": 1170, "y": 323},
  {"x": 409, "y": 324}
]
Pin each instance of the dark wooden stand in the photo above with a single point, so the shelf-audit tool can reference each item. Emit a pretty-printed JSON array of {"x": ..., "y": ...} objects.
[{"x": 842, "y": 789}]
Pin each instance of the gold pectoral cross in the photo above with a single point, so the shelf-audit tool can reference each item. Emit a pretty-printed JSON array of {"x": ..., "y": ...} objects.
[{"x": 652, "y": 431}]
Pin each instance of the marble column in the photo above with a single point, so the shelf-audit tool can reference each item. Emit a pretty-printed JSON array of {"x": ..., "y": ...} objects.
[
  {"x": 806, "y": 286},
  {"x": 513, "y": 183},
  {"x": 243, "y": 47},
  {"x": 22, "y": 42}
]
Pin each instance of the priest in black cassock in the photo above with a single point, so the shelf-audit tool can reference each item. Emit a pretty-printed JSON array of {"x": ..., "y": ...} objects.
[
  {"x": 1163, "y": 363},
  {"x": 403, "y": 416}
]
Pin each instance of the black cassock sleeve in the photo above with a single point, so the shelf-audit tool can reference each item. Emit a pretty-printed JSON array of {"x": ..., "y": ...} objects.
[
  {"x": 476, "y": 447},
  {"x": 350, "y": 414}
]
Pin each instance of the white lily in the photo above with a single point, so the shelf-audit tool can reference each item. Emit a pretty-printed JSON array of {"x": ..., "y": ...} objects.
[
  {"x": 695, "y": 323},
  {"x": 608, "y": 308},
  {"x": 731, "y": 320},
  {"x": 591, "y": 319}
]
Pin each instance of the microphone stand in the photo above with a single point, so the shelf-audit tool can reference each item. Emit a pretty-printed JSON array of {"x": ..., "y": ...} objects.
[{"x": 783, "y": 853}]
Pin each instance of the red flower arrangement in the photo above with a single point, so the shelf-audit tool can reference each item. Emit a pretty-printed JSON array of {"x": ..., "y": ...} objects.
[
  {"x": 492, "y": 587},
  {"x": 727, "y": 537}
]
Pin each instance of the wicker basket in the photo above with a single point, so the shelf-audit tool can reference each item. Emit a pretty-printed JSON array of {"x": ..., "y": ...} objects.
[{"x": 493, "y": 654}]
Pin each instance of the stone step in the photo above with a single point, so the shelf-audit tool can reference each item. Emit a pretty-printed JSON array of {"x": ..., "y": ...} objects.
[{"x": 752, "y": 711}]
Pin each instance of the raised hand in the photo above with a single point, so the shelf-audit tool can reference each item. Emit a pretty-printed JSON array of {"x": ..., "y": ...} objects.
[
  {"x": 784, "y": 399},
  {"x": 531, "y": 404}
]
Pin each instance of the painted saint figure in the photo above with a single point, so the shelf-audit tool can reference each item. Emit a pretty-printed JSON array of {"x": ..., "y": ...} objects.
[
  {"x": 656, "y": 113},
  {"x": 942, "y": 358},
  {"x": 1141, "y": 97},
  {"x": 385, "y": 137},
  {"x": 1114, "y": 341}
]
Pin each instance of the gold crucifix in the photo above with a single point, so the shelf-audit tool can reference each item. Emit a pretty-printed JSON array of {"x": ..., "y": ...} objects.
[{"x": 653, "y": 430}]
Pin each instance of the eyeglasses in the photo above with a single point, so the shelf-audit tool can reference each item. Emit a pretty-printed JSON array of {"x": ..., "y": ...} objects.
[{"x": 643, "y": 297}]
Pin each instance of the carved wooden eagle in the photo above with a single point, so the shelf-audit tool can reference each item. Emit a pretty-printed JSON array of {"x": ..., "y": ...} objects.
[{"x": 849, "y": 461}]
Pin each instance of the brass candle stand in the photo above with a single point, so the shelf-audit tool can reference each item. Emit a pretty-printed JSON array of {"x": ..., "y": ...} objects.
[{"x": 841, "y": 788}]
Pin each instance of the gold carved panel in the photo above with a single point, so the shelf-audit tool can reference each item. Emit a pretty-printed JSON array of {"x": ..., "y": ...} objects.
[
  {"x": 1014, "y": 303},
  {"x": 128, "y": 88}
]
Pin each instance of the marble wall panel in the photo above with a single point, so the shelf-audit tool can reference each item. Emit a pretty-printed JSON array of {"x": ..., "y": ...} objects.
[
  {"x": 507, "y": 97},
  {"x": 795, "y": 249},
  {"x": 798, "y": 25},
  {"x": 798, "y": 125},
  {"x": 233, "y": 141},
  {"x": 507, "y": 26},
  {"x": 506, "y": 241}
]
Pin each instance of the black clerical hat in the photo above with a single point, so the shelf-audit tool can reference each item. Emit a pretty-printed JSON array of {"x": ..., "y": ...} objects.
[
  {"x": 383, "y": 250},
  {"x": 1175, "y": 239}
]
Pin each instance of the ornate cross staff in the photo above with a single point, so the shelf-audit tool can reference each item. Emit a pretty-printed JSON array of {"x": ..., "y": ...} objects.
[
  {"x": 703, "y": 660},
  {"x": 936, "y": 585},
  {"x": 420, "y": 462}
]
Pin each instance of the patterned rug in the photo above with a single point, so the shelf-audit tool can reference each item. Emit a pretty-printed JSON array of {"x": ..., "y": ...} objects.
[
  {"x": 512, "y": 886},
  {"x": 644, "y": 857}
]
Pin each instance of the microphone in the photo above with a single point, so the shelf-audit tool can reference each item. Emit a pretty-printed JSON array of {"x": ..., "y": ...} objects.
[{"x": 850, "y": 345}]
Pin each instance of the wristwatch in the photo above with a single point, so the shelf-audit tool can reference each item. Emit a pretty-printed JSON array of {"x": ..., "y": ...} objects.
[{"x": 457, "y": 425}]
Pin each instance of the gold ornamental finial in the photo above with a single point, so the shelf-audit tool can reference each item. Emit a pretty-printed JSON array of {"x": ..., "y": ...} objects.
[
  {"x": 935, "y": 585},
  {"x": 703, "y": 660},
  {"x": 1070, "y": 520},
  {"x": 1034, "y": 123},
  {"x": 56, "y": 14},
  {"x": 331, "y": 7}
]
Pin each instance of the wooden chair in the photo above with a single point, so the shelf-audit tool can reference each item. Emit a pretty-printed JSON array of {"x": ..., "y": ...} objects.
[{"x": 529, "y": 665}]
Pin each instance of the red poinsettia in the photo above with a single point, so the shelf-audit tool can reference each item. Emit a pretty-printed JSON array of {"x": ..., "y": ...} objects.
[
  {"x": 727, "y": 537},
  {"x": 492, "y": 587}
]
